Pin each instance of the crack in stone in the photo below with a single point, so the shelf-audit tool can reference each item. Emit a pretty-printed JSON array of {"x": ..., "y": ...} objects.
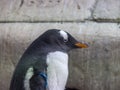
[
  {"x": 93, "y": 8},
  {"x": 69, "y": 21},
  {"x": 78, "y": 6},
  {"x": 21, "y": 4},
  {"x": 106, "y": 20}
]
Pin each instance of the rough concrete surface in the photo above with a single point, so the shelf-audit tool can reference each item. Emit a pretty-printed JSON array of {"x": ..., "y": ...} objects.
[
  {"x": 59, "y": 10},
  {"x": 45, "y": 10},
  {"x": 107, "y": 9},
  {"x": 95, "y": 68}
]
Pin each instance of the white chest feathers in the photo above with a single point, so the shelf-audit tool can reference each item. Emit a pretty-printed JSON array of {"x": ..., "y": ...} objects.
[{"x": 57, "y": 70}]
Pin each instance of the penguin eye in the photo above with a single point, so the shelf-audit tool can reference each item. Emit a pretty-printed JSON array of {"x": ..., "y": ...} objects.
[{"x": 65, "y": 40}]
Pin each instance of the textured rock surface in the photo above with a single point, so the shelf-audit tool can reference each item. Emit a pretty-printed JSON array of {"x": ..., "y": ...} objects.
[
  {"x": 107, "y": 9},
  {"x": 59, "y": 10},
  {"x": 95, "y": 68},
  {"x": 45, "y": 10}
]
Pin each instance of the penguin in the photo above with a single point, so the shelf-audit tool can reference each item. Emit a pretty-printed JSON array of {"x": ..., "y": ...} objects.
[{"x": 44, "y": 64}]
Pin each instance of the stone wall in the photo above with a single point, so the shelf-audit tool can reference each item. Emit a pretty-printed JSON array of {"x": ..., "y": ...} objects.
[{"x": 96, "y": 22}]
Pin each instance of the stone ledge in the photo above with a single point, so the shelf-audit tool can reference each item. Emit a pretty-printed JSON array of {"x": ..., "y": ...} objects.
[{"x": 86, "y": 28}]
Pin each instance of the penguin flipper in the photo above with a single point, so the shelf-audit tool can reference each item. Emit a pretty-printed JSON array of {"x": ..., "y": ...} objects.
[{"x": 37, "y": 82}]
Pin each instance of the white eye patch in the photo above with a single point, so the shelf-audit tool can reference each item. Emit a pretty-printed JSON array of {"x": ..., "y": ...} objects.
[{"x": 64, "y": 35}]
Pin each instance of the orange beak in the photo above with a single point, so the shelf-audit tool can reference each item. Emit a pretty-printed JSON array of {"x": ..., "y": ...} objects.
[{"x": 81, "y": 45}]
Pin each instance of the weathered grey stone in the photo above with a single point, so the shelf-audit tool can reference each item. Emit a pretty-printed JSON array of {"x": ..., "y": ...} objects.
[
  {"x": 95, "y": 68},
  {"x": 107, "y": 9},
  {"x": 45, "y": 10}
]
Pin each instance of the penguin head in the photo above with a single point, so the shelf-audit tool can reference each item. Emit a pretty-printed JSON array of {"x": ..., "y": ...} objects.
[{"x": 59, "y": 39}]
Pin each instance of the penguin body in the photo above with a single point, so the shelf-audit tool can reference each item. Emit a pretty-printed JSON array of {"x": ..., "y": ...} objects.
[
  {"x": 44, "y": 65},
  {"x": 57, "y": 69}
]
